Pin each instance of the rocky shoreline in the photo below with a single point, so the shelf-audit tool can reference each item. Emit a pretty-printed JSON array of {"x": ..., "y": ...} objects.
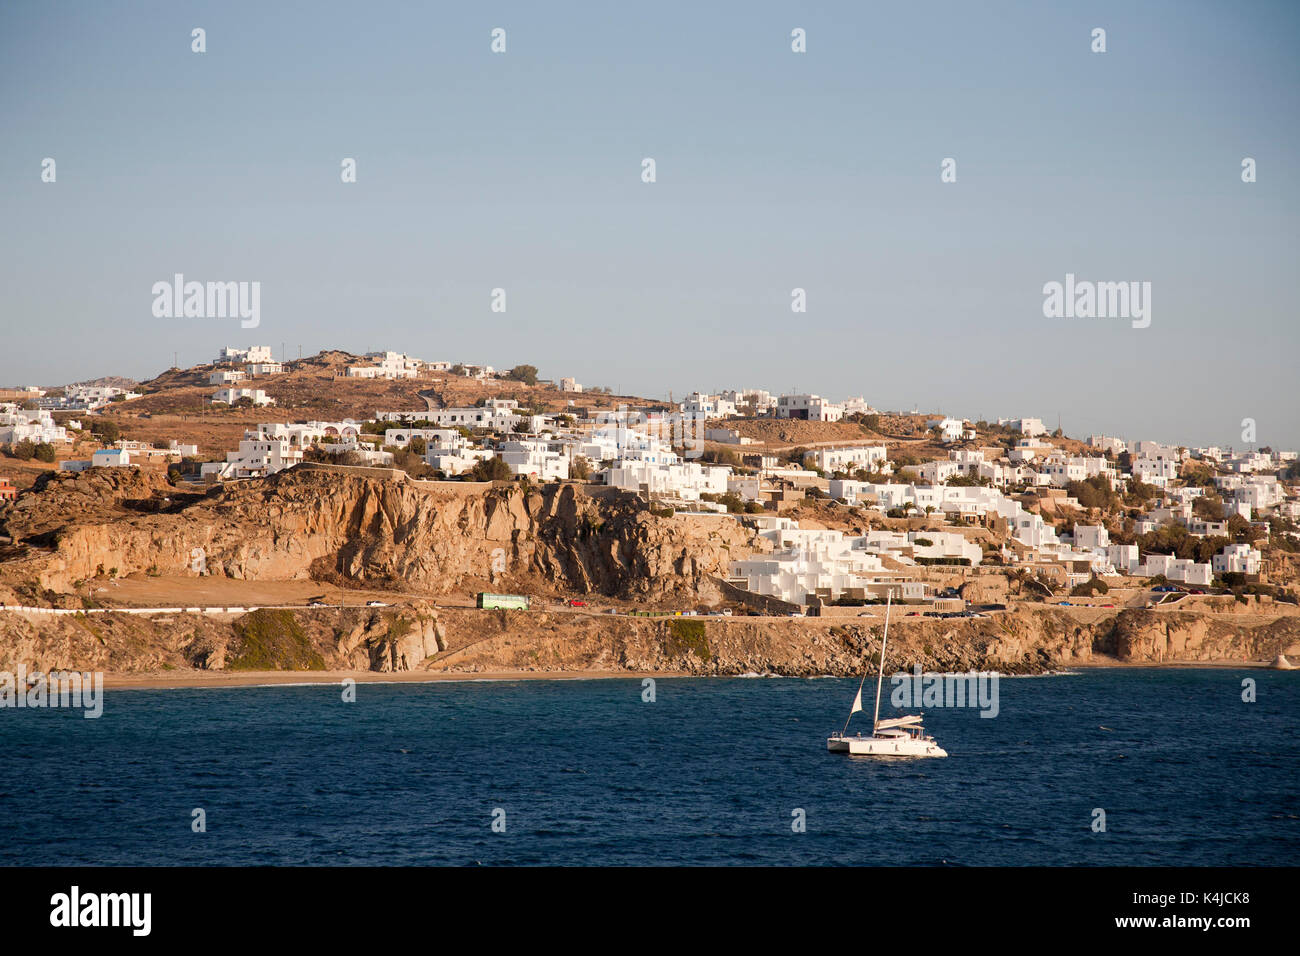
[{"x": 419, "y": 639}]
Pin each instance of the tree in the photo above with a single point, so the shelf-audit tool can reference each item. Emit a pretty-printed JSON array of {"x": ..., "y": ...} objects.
[
  {"x": 1208, "y": 507},
  {"x": 493, "y": 469},
  {"x": 106, "y": 430},
  {"x": 24, "y": 450},
  {"x": 580, "y": 469},
  {"x": 524, "y": 373},
  {"x": 419, "y": 446},
  {"x": 45, "y": 452},
  {"x": 1094, "y": 492}
]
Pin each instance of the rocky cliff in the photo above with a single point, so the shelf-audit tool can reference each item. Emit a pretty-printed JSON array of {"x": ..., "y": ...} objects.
[
  {"x": 360, "y": 530},
  {"x": 436, "y": 538},
  {"x": 419, "y": 636}
]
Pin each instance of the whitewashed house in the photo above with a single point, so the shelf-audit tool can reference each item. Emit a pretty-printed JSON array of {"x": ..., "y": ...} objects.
[
  {"x": 231, "y": 395},
  {"x": 1237, "y": 558}
]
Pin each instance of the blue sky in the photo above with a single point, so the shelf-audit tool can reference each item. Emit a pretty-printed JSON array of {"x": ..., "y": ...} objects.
[{"x": 775, "y": 170}]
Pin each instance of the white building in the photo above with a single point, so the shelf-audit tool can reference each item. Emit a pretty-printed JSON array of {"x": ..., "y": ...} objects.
[
  {"x": 497, "y": 415},
  {"x": 1029, "y": 427},
  {"x": 951, "y": 429},
  {"x": 708, "y": 406},
  {"x": 248, "y": 356},
  {"x": 34, "y": 425},
  {"x": 257, "y": 457},
  {"x": 1237, "y": 558},
  {"x": 225, "y": 376},
  {"x": 1123, "y": 558},
  {"x": 540, "y": 460},
  {"x": 111, "y": 458},
  {"x": 726, "y": 436},
  {"x": 1091, "y": 537},
  {"x": 231, "y": 395},
  {"x": 686, "y": 481},
  {"x": 811, "y": 408},
  {"x": 1177, "y": 569},
  {"x": 939, "y": 471},
  {"x": 1105, "y": 443},
  {"x": 1062, "y": 469},
  {"x": 1155, "y": 471},
  {"x": 846, "y": 459}
]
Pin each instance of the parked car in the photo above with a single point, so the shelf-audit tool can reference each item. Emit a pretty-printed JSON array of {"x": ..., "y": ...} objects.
[
  {"x": 376, "y": 604},
  {"x": 576, "y": 603}
]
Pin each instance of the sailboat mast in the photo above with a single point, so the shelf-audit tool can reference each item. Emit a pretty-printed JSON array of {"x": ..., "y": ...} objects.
[{"x": 884, "y": 641}]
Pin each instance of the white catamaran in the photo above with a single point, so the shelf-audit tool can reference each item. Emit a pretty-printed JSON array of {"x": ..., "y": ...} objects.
[{"x": 895, "y": 737}]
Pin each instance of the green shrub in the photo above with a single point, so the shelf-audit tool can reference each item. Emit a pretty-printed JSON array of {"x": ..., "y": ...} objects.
[{"x": 273, "y": 640}]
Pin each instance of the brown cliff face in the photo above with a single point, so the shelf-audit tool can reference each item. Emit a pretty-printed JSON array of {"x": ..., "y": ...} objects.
[
  {"x": 318, "y": 525},
  {"x": 417, "y": 636},
  {"x": 328, "y": 526}
]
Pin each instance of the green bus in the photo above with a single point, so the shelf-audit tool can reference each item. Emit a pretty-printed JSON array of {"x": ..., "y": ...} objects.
[{"x": 497, "y": 601}]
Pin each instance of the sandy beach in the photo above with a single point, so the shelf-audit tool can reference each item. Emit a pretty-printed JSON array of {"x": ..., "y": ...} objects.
[
  {"x": 171, "y": 680},
  {"x": 179, "y": 679}
]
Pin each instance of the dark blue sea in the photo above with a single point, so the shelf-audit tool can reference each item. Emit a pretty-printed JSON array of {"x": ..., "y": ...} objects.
[{"x": 711, "y": 772}]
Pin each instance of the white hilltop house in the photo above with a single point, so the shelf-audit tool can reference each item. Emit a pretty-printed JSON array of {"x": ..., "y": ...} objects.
[
  {"x": 708, "y": 406},
  {"x": 808, "y": 407},
  {"x": 231, "y": 395},
  {"x": 951, "y": 429},
  {"x": 1105, "y": 443},
  {"x": 250, "y": 355},
  {"x": 388, "y": 365},
  {"x": 1029, "y": 427}
]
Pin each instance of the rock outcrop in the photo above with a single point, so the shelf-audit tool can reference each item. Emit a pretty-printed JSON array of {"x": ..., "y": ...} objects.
[{"x": 327, "y": 526}]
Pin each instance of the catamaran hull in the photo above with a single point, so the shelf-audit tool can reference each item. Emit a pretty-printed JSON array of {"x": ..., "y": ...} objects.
[{"x": 884, "y": 747}]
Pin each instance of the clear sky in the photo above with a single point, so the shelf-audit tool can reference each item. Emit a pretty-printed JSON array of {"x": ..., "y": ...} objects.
[{"x": 775, "y": 170}]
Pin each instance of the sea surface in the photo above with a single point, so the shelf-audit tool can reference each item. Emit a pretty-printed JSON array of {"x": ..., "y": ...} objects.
[{"x": 713, "y": 771}]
